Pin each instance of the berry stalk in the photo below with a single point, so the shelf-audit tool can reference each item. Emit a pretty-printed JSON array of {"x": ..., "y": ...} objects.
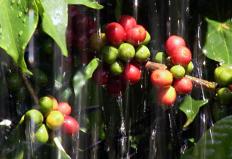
[
  {"x": 207, "y": 84},
  {"x": 153, "y": 66}
]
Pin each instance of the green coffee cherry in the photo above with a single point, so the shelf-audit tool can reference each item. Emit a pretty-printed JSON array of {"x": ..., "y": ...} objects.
[
  {"x": 227, "y": 66},
  {"x": 142, "y": 53},
  {"x": 110, "y": 54},
  {"x": 116, "y": 68},
  {"x": 217, "y": 72},
  {"x": 126, "y": 52},
  {"x": 46, "y": 104},
  {"x": 34, "y": 116},
  {"x": 189, "y": 68},
  {"x": 160, "y": 57},
  {"x": 97, "y": 41},
  {"x": 41, "y": 134},
  {"x": 223, "y": 75},
  {"x": 177, "y": 71},
  {"x": 224, "y": 95}
]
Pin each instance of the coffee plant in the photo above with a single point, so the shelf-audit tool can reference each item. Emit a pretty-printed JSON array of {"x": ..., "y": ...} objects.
[{"x": 124, "y": 84}]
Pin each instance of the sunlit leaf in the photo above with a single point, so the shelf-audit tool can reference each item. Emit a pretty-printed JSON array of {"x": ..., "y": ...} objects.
[
  {"x": 218, "y": 44},
  {"x": 191, "y": 108},
  {"x": 54, "y": 21},
  {"x": 18, "y": 21},
  {"x": 64, "y": 155},
  {"x": 91, "y": 67},
  {"x": 79, "y": 81},
  {"x": 215, "y": 143},
  {"x": 66, "y": 94},
  {"x": 88, "y": 3},
  {"x": 81, "y": 77}
]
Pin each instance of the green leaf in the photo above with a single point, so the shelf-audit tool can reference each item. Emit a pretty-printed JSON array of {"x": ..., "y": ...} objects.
[
  {"x": 80, "y": 78},
  {"x": 18, "y": 21},
  {"x": 79, "y": 81},
  {"x": 88, "y": 3},
  {"x": 218, "y": 44},
  {"x": 191, "y": 107},
  {"x": 64, "y": 155},
  {"x": 54, "y": 20},
  {"x": 91, "y": 67},
  {"x": 215, "y": 143}
]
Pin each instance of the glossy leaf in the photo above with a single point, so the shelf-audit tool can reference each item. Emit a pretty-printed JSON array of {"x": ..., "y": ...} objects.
[
  {"x": 54, "y": 21},
  {"x": 88, "y": 3},
  {"x": 218, "y": 44},
  {"x": 81, "y": 77},
  {"x": 190, "y": 107},
  {"x": 215, "y": 143},
  {"x": 64, "y": 155},
  {"x": 79, "y": 81},
  {"x": 91, "y": 67},
  {"x": 18, "y": 21}
]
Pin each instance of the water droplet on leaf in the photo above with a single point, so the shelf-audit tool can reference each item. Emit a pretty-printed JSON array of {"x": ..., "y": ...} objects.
[
  {"x": 20, "y": 33},
  {"x": 24, "y": 20},
  {"x": 20, "y": 14},
  {"x": 26, "y": 10},
  {"x": 19, "y": 2}
]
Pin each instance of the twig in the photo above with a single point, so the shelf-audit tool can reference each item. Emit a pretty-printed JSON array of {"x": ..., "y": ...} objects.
[
  {"x": 208, "y": 84},
  {"x": 205, "y": 83},
  {"x": 153, "y": 66},
  {"x": 30, "y": 88}
]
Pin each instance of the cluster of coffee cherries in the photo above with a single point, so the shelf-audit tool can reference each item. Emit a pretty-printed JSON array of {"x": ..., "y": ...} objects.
[
  {"x": 171, "y": 82},
  {"x": 223, "y": 76},
  {"x": 123, "y": 51},
  {"x": 51, "y": 116}
]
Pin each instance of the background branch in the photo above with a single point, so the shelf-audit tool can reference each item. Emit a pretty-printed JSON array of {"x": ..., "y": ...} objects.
[
  {"x": 207, "y": 84},
  {"x": 29, "y": 88}
]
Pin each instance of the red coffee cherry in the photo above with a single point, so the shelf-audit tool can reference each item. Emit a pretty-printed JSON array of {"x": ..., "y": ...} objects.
[
  {"x": 183, "y": 85},
  {"x": 172, "y": 43},
  {"x": 132, "y": 73},
  {"x": 167, "y": 96},
  {"x": 127, "y": 21},
  {"x": 161, "y": 78},
  {"x": 136, "y": 35},
  {"x": 181, "y": 56},
  {"x": 64, "y": 108},
  {"x": 70, "y": 125},
  {"x": 115, "y": 33}
]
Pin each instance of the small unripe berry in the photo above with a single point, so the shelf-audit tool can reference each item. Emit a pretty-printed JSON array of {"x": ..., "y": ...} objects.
[{"x": 177, "y": 71}]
